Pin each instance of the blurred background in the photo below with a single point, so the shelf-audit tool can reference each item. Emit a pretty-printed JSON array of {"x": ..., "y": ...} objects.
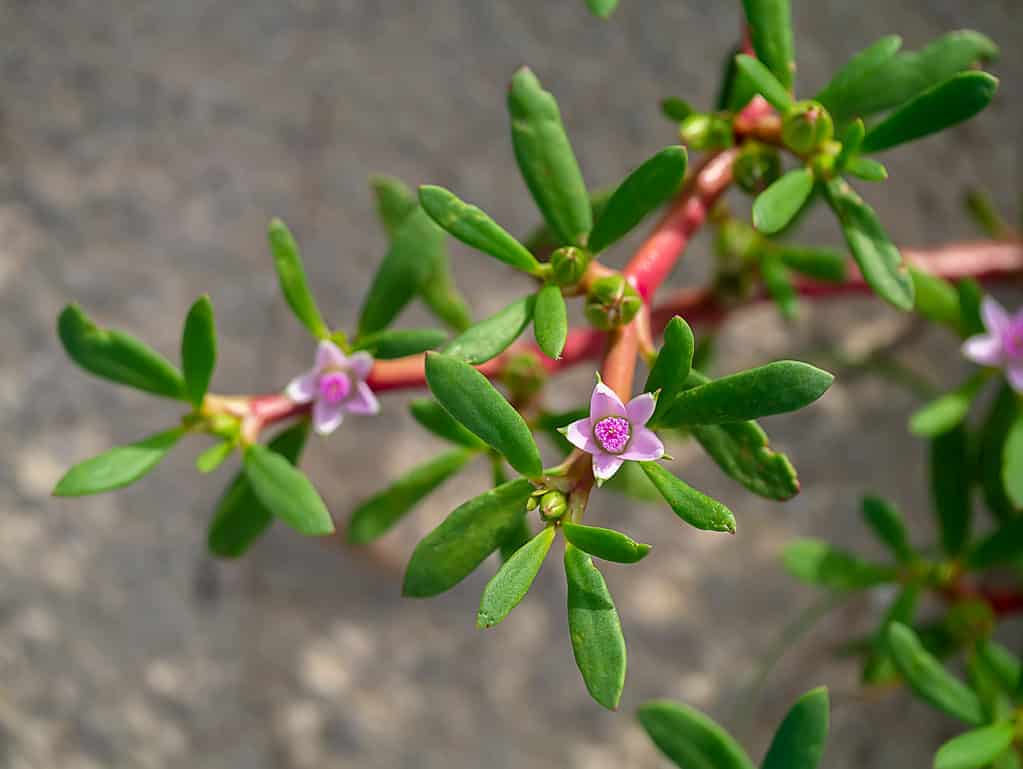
[{"x": 144, "y": 147}]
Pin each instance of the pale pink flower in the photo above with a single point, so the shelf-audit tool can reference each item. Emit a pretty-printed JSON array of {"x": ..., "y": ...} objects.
[
  {"x": 1002, "y": 345},
  {"x": 334, "y": 385}
]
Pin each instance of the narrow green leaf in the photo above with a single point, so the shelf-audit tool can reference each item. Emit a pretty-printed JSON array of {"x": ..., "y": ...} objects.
[
  {"x": 1003, "y": 664},
  {"x": 866, "y": 169},
  {"x": 765, "y": 82},
  {"x": 550, "y": 320},
  {"x": 602, "y": 9},
  {"x": 741, "y": 450},
  {"x": 778, "y": 205},
  {"x": 970, "y": 297},
  {"x": 546, "y": 160},
  {"x": 779, "y": 285},
  {"x": 596, "y": 631},
  {"x": 851, "y": 138},
  {"x": 630, "y": 481},
  {"x": 860, "y": 69},
  {"x": 464, "y": 539},
  {"x": 475, "y": 228},
  {"x": 291, "y": 274},
  {"x": 198, "y": 349},
  {"x": 1003, "y": 546},
  {"x": 770, "y": 29},
  {"x": 385, "y": 345},
  {"x": 608, "y": 544},
  {"x": 374, "y": 517},
  {"x": 674, "y": 362},
  {"x": 799, "y": 741},
  {"x": 820, "y": 564},
  {"x": 690, "y": 739},
  {"x": 118, "y": 467},
  {"x": 957, "y": 99},
  {"x": 879, "y": 667},
  {"x": 690, "y": 505},
  {"x": 1012, "y": 461},
  {"x": 214, "y": 456},
  {"x": 888, "y": 524},
  {"x": 490, "y": 337},
  {"x": 928, "y": 678},
  {"x": 819, "y": 263},
  {"x": 991, "y": 459},
  {"x": 947, "y": 411},
  {"x": 676, "y": 109},
  {"x": 440, "y": 294},
  {"x": 975, "y": 749},
  {"x": 512, "y": 581},
  {"x": 936, "y": 299},
  {"x": 285, "y": 491},
  {"x": 394, "y": 201},
  {"x": 434, "y": 418},
  {"x": 643, "y": 190},
  {"x": 950, "y": 488},
  {"x": 878, "y": 258},
  {"x": 467, "y": 396},
  {"x": 117, "y": 356}
]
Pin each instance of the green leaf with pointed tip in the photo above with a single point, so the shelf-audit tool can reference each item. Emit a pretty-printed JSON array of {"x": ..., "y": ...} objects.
[
  {"x": 839, "y": 95},
  {"x": 1003, "y": 546},
  {"x": 1012, "y": 461},
  {"x": 214, "y": 456},
  {"x": 776, "y": 388},
  {"x": 595, "y": 629},
  {"x": 879, "y": 667},
  {"x": 492, "y": 336},
  {"x": 118, "y": 467},
  {"x": 741, "y": 450},
  {"x": 676, "y": 109},
  {"x": 957, "y": 99},
  {"x": 851, "y": 138},
  {"x": 198, "y": 349},
  {"x": 770, "y": 30},
  {"x": 990, "y": 462},
  {"x": 935, "y": 298},
  {"x": 291, "y": 275},
  {"x": 820, "y": 564},
  {"x": 928, "y": 678},
  {"x": 467, "y": 396},
  {"x": 878, "y": 258},
  {"x": 385, "y": 345},
  {"x": 765, "y": 82},
  {"x": 889, "y": 526},
  {"x": 799, "y": 741},
  {"x": 818, "y": 263},
  {"x": 434, "y": 418},
  {"x": 690, "y": 505},
  {"x": 511, "y": 583},
  {"x": 779, "y": 285},
  {"x": 1003, "y": 664},
  {"x": 674, "y": 362},
  {"x": 645, "y": 189},
  {"x": 975, "y": 749},
  {"x": 411, "y": 259},
  {"x": 778, "y": 205},
  {"x": 464, "y": 539},
  {"x": 630, "y": 481},
  {"x": 947, "y": 411},
  {"x": 546, "y": 160},
  {"x": 117, "y": 356},
  {"x": 475, "y": 228},
  {"x": 285, "y": 491},
  {"x": 603, "y": 543},
  {"x": 690, "y": 739},
  {"x": 394, "y": 201},
  {"x": 602, "y": 9},
  {"x": 374, "y": 517},
  {"x": 440, "y": 294},
  {"x": 970, "y": 297},
  {"x": 550, "y": 320},
  {"x": 240, "y": 518},
  {"x": 866, "y": 169},
  {"x": 950, "y": 488}
]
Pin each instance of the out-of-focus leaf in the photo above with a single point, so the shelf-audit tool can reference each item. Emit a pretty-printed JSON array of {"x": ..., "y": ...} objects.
[
  {"x": 690, "y": 739},
  {"x": 394, "y": 201},
  {"x": 198, "y": 349},
  {"x": 975, "y": 749},
  {"x": 839, "y": 95},
  {"x": 947, "y": 411},
  {"x": 889, "y": 526},
  {"x": 950, "y": 488},
  {"x": 818, "y": 563},
  {"x": 799, "y": 741},
  {"x": 819, "y": 263},
  {"x": 431, "y": 415},
  {"x": 294, "y": 284},
  {"x": 778, "y": 205},
  {"x": 770, "y": 29},
  {"x": 990, "y": 460},
  {"x": 765, "y": 81}
]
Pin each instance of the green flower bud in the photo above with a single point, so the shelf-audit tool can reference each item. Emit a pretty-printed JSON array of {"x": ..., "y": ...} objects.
[
  {"x": 701, "y": 132},
  {"x": 569, "y": 264},
  {"x": 806, "y": 126},
  {"x": 524, "y": 376},
  {"x": 823, "y": 163},
  {"x": 611, "y": 302},
  {"x": 553, "y": 505},
  {"x": 531, "y": 504},
  {"x": 737, "y": 239},
  {"x": 757, "y": 167}
]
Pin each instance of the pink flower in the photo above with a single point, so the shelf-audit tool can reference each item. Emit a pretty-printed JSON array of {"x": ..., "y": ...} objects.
[
  {"x": 334, "y": 385},
  {"x": 615, "y": 432},
  {"x": 1002, "y": 345}
]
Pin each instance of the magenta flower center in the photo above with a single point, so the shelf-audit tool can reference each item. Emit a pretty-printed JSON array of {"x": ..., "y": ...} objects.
[
  {"x": 334, "y": 386},
  {"x": 613, "y": 433},
  {"x": 1012, "y": 339}
]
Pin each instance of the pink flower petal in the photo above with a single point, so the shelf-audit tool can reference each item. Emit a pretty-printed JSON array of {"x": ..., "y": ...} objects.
[
  {"x": 302, "y": 389},
  {"x": 605, "y": 465},
  {"x": 363, "y": 401},
  {"x": 605, "y": 403},
  {"x": 360, "y": 364},
  {"x": 1014, "y": 373},
  {"x": 640, "y": 409},
  {"x": 329, "y": 355},
  {"x": 983, "y": 349},
  {"x": 645, "y": 446},
  {"x": 327, "y": 417},
  {"x": 995, "y": 318},
  {"x": 580, "y": 435}
]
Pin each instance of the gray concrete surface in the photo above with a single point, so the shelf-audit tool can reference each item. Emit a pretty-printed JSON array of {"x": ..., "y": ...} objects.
[{"x": 143, "y": 147}]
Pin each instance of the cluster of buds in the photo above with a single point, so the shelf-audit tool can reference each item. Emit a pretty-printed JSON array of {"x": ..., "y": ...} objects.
[
  {"x": 611, "y": 302},
  {"x": 551, "y": 503},
  {"x": 568, "y": 265}
]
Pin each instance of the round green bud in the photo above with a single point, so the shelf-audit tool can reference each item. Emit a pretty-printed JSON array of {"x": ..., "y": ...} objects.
[
  {"x": 532, "y": 503},
  {"x": 823, "y": 163},
  {"x": 737, "y": 239},
  {"x": 553, "y": 505},
  {"x": 757, "y": 167},
  {"x": 611, "y": 302},
  {"x": 523, "y": 375},
  {"x": 569, "y": 264},
  {"x": 806, "y": 126},
  {"x": 695, "y": 131}
]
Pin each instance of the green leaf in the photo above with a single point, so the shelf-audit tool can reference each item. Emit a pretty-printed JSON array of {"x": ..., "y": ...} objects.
[
  {"x": 291, "y": 274},
  {"x": 878, "y": 258},
  {"x": 928, "y": 678},
  {"x": 818, "y": 563},
  {"x": 512, "y": 581},
  {"x": 676, "y": 109},
  {"x": 887, "y": 523},
  {"x": 819, "y": 263},
  {"x": 490, "y": 337},
  {"x": 766, "y": 82},
  {"x": 778, "y": 205},
  {"x": 866, "y": 169},
  {"x": 1003, "y": 664},
  {"x": 394, "y": 201},
  {"x": 851, "y": 137},
  {"x": 643, "y": 190},
  {"x": 475, "y": 228},
  {"x": 630, "y": 480},
  {"x": 440, "y": 294},
  {"x": 474, "y": 530},
  {"x": 1003, "y": 546},
  {"x": 947, "y": 411},
  {"x": 776, "y": 388},
  {"x": 198, "y": 349},
  {"x": 690, "y": 739},
  {"x": 674, "y": 362},
  {"x": 1012, "y": 461},
  {"x": 936, "y": 299},
  {"x": 990, "y": 461},
  {"x": 118, "y": 467},
  {"x": 770, "y": 29},
  {"x": 741, "y": 450},
  {"x": 546, "y": 160},
  {"x": 970, "y": 297},
  {"x": 434, "y": 418},
  {"x": 550, "y": 320},
  {"x": 467, "y": 396},
  {"x": 690, "y": 505},
  {"x": 374, "y": 517},
  {"x": 214, "y": 456},
  {"x": 957, "y": 99},
  {"x": 240, "y": 518},
  {"x": 839, "y": 95},
  {"x": 975, "y": 749},
  {"x": 799, "y": 741},
  {"x": 385, "y": 345},
  {"x": 608, "y": 544},
  {"x": 779, "y": 285},
  {"x": 410, "y": 260},
  {"x": 602, "y": 9},
  {"x": 285, "y": 491},
  {"x": 117, "y": 356},
  {"x": 596, "y": 631},
  {"x": 879, "y": 667},
  {"x": 950, "y": 488}
]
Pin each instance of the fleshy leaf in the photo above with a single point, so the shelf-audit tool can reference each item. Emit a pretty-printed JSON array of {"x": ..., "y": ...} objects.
[
  {"x": 675, "y": 109},
  {"x": 118, "y": 467},
  {"x": 947, "y": 411},
  {"x": 935, "y": 298},
  {"x": 1001, "y": 547},
  {"x": 397, "y": 343},
  {"x": 603, "y": 543},
  {"x": 434, "y": 418},
  {"x": 492, "y": 336},
  {"x": 818, "y": 563},
  {"x": 198, "y": 349},
  {"x": 799, "y": 741},
  {"x": 950, "y": 488},
  {"x": 674, "y": 362},
  {"x": 991, "y": 461},
  {"x": 889, "y": 526},
  {"x": 1012, "y": 461},
  {"x": 602, "y": 9},
  {"x": 819, "y": 263},
  {"x": 689, "y": 738},
  {"x": 779, "y": 285},
  {"x": 838, "y": 96},
  {"x": 285, "y": 491},
  {"x": 975, "y": 749},
  {"x": 766, "y": 82},
  {"x": 770, "y": 29},
  {"x": 294, "y": 284},
  {"x": 214, "y": 456},
  {"x": 742, "y": 452},
  {"x": 778, "y": 205},
  {"x": 690, "y": 505},
  {"x": 512, "y": 581},
  {"x": 394, "y": 201},
  {"x": 550, "y": 320}
]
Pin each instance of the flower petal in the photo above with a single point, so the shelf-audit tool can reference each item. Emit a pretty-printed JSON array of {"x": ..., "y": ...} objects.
[
  {"x": 1014, "y": 373},
  {"x": 302, "y": 389},
  {"x": 580, "y": 435},
  {"x": 363, "y": 401},
  {"x": 640, "y": 409},
  {"x": 995, "y": 318},
  {"x": 605, "y": 403},
  {"x": 329, "y": 355},
  {"x": 360, "y": 364},
  {"x": 605, "y": 465},
  {"x": 645, "y": 446},
  {"x": 983, "y": 349},
  {"x": 327, "y": 417}
]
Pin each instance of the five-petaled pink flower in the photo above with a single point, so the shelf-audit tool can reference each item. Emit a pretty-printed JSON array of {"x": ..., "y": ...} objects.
[
  {"x": 615, "y": 431},
  {"x": 334, "y": 385},
  {"x": 1002, "y": 345}
]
